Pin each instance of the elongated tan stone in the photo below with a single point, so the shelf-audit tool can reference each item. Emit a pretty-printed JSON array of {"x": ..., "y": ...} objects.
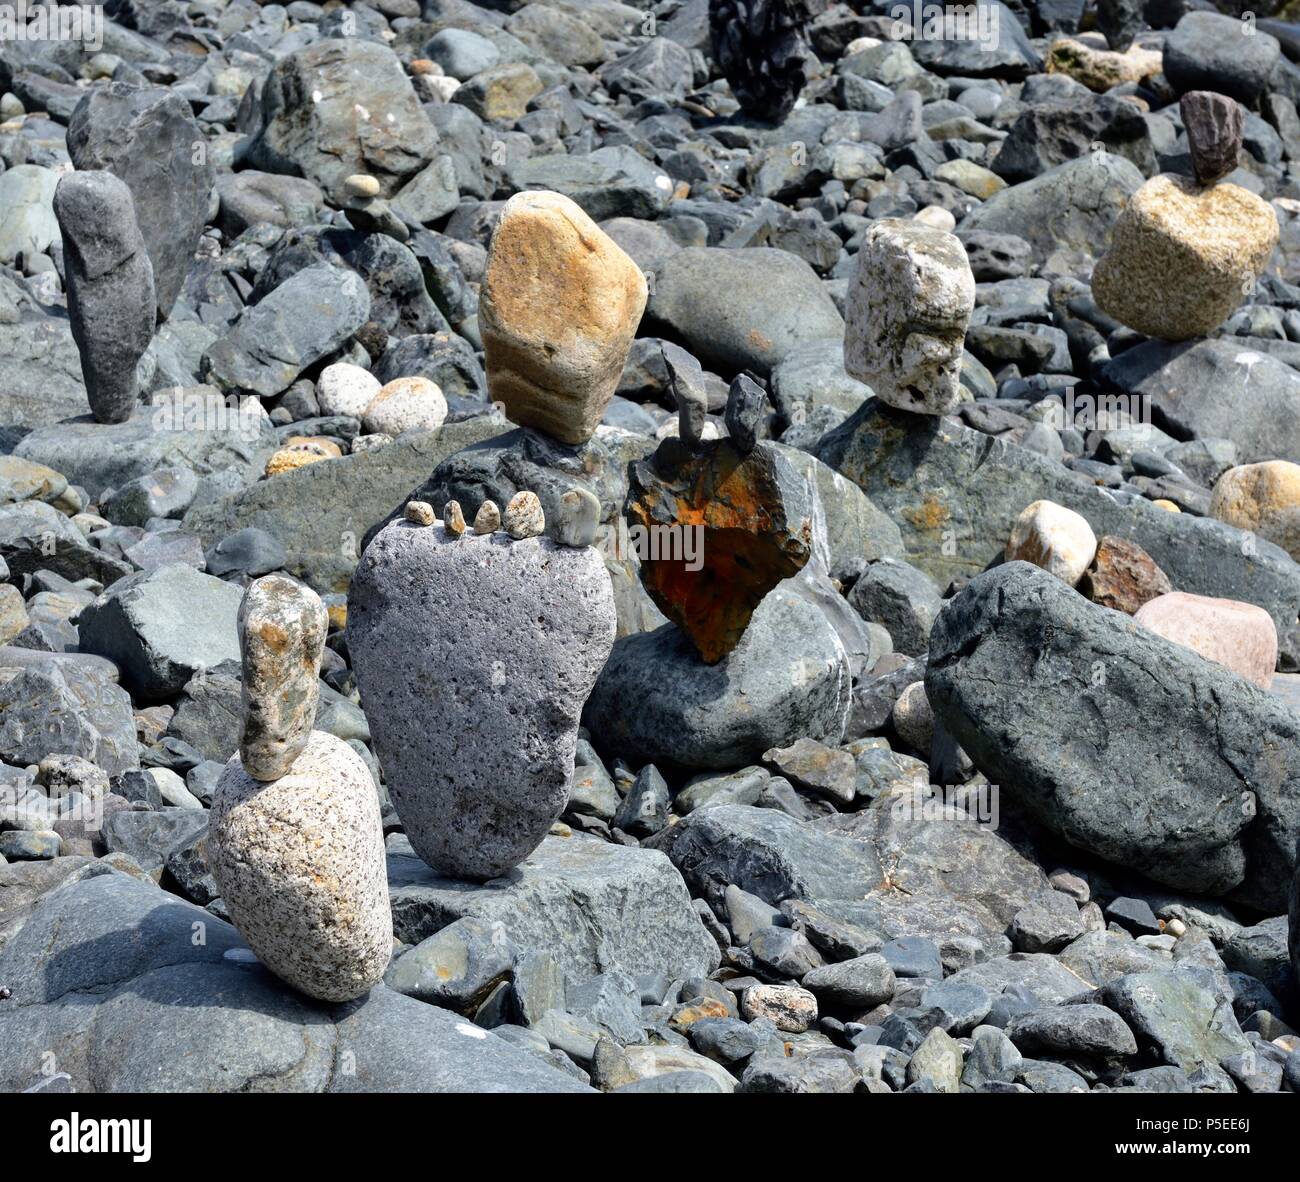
[
  {"x": 282, "y": 627},
  {"x": 559, "y": 306},
  {"x": 300, "y": 863}
]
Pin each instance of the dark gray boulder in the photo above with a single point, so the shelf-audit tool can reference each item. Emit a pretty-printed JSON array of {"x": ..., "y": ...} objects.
[{"x": 1213, "y": 759}]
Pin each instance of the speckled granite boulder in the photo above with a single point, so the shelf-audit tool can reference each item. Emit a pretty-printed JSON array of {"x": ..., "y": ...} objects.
[{"x": 300, "y": 863}]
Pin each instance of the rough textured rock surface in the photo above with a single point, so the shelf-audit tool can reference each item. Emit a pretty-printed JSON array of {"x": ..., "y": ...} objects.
[
  {"x": 909, "y": 303},
  {"x": 593, "y": 906},
  {"x": 478, "y": 759},
  {"x": 300, "y": 863},
  {"x": 339, "y": 107},
  {"x": 955, "y": 494},
  {"x": 559, "y": 307},
  {"x": 282, "y": 626},
  {"x": 1123, "y": 576},
  {"x": 1055, "y": 538},
  {"x": 164, "y": 625},
  {"x": 1263, "y": 498},
  {"x": 1182, "y": 258},
  {"x": 110, "y": 287},
  {"x": 1215, "y": 124},
  {"x": 158, "y": 1030},
  {"x": 1221, "y": 814}
]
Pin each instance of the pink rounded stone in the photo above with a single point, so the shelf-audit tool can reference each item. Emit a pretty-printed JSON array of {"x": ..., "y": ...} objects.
[{"x": 1238, "y": 635}]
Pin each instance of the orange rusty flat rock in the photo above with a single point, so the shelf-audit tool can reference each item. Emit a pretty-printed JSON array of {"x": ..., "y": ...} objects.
[{"x": 718, "y": 531}]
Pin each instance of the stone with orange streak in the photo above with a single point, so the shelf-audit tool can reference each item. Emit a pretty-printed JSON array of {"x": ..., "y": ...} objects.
[
  {"x": 559, "y": 306},
  {"x": 752, "y": 518}
]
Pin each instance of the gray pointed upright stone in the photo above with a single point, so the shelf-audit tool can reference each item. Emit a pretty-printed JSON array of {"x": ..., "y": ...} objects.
[{"x": 110, "y": 287}]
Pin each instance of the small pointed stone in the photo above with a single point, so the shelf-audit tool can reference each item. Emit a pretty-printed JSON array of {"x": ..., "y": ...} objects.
[
  {"x": 488, "y": 518},
  {"x": 420, "y": 512},
  {"x": 1215, "y": 126},
  {"x": 687, "y": 379},
  {"x": 524, "y": 517},
  {"x": 746, "y": 401},
  {"x": 282, "y": 627},
  {"x": 579, "y": 518},
  {"x": 453, "y": 520}
]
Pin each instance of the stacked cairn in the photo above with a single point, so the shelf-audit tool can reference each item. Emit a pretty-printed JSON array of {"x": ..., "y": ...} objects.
[
  {"x": 476, "y": 647},
  {"x": 296, "y": 841}
]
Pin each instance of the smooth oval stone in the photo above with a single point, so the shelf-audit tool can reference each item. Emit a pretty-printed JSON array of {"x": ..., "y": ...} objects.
[
  {"x": 1239, "y": 635},
  {"x": 474, "y": 656},
  {"x": 282, "y": 627},
  {"x": 300, "y": 863}
]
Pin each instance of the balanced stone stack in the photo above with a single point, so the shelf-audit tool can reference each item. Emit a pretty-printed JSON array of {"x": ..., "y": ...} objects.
[
  {"x": 1186, "y": 252},
  {"x": 295, "y": 840},
  {"x": 559, "y": 307}
]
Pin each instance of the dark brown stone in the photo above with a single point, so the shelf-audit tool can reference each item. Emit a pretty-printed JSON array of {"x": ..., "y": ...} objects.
[
  {"x": 752, "y": 527},
  {"x": 1215, "y": 124},
  {"x": 1123, "y": 576}
]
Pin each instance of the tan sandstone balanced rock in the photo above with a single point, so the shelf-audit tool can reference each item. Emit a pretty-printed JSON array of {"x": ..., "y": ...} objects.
[
  {"x": 1182, "y": 257},
  {"x": 300, "y": 863},
  {"x": 1263, "y": 498},
  {"x": 1238, "y": 635},
  {"x": 559, "y": 306}
]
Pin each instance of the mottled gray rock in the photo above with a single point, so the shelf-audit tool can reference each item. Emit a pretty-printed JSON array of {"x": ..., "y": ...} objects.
[
  {"x": 858, "y": 984},
  {"x": 338, "y": 107},
  {"x": 320, "y": 513},
  {"x": 36, "y": 536},
  {"x": 1072, "y": 206},
  {"x": 65, "y": 707},
  {"x": 588, "y": 904},
  {"x": 1222, "y": 811},
  {"x": 614, "y": 181},
  {"x": 110, "y": 287},
  {"x": 1175, "y": 1019},
  {"x": 164, "y": 625},
  {"x": 457, "y": 967},
  {"x": 300, "y": 864},
  {"x": 1092, "y": 1031},
  {"x": 656, "y": 701},
  {"x": 192, "y": 427},
  {"x": 1210, "y": 51},
  {"x": 148, "y": 138},
  {"x": 309, "y": 315},
  {"x": 502, "y": 747},
  {"x": 902, "y": 599},
  {"x": 1183, "y": 383},
  {"x": 282, "y": 626},
  {"x": 787, "y": 306}
]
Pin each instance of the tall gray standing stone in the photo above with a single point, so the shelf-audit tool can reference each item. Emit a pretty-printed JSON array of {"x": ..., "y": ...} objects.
[
  {"x": 111, "y": 299},
  {"x": 474, "y": 656},
  {"x": 148, "y": 137}
]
